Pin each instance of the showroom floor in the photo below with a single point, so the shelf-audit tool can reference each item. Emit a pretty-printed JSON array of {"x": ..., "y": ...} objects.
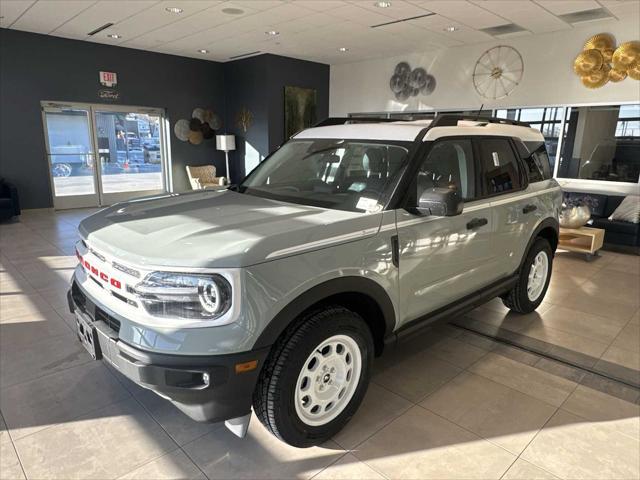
[{"x": 452, "y": 403}]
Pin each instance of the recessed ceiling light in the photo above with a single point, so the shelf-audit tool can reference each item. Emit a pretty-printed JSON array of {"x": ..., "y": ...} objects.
[
  {"x": 343, "y": 49},
  {"x": 233, "y": 11},
  {"x": 273, "y": 33},
  {"x": 177, "y": 10},
  {"x": 202, "y": 50},
  {"x": 114, "y": 35},
  {"x": 382, "y": 4},
  {"x": 451, "y": 29}
]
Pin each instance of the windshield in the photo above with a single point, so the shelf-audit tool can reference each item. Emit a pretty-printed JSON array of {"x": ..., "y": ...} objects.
[{"x": 351, "y": 175}]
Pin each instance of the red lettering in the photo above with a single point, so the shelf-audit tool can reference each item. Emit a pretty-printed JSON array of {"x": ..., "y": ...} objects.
[
  {"x": 94, "y": 270},
  {"x": 116, "y": 283},
  {"x": 104, "y": 277},
  {"x": 86, "y": 264}
]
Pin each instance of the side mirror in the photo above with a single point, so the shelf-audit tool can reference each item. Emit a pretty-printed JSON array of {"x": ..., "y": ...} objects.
[{"x": 441, "y": 202}]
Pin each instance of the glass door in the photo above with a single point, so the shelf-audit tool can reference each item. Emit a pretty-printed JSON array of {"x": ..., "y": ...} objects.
[
  {"x": 128, "y": 142},
  {"x": 70, "y": 157},
  {"x": 130, "y": 154}
]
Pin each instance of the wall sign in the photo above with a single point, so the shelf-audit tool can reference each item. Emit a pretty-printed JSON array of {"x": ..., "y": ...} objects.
[
  {"x": 108, "y": 79},
  {"x": 108, "y": 94}
]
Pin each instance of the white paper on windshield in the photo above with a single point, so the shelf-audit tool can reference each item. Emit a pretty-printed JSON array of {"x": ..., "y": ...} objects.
[{"x": 367, "y": 204}]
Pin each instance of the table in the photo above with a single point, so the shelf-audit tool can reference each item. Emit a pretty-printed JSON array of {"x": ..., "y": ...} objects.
[{"x": 585, "y": 240}]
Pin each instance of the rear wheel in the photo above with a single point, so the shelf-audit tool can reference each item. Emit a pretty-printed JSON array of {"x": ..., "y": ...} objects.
[
  {"x": 533, "y": 282},
  {"x": 316, "y": 377}
]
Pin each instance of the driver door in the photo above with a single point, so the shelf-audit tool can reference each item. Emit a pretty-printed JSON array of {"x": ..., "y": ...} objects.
[{"x": 443, "y": 259}]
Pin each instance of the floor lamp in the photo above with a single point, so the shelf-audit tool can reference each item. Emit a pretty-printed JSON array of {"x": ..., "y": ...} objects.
[{"x": 226, "y": 143}]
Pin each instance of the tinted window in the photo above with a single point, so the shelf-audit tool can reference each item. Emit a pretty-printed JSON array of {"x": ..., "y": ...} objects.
[
  {"x": 449, "y": 164},
  {"x": 500, "y": 167},
  {"x": 537, "y": 162}
]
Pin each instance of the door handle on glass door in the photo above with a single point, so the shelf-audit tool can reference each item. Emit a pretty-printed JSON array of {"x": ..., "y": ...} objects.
[{"x": 477, "y": 223}]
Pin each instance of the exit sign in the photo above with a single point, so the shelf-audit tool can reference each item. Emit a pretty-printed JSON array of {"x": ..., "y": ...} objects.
[{"x": 108, "y": 79}]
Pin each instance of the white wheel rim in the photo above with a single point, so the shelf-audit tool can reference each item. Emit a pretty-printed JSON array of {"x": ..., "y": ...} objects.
[
  {"x": 537, "y": 276},
  {"x": 328, "y": 380}
]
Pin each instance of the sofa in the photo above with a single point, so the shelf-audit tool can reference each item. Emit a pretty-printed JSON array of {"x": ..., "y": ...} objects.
[
  {"x": 9, "y": 203},
  {"x": 617, "y": 233}
]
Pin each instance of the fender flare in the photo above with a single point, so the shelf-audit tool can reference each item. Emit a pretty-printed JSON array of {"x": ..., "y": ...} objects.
[
  {"x": 546, "y": 223},
  {"x": 360, "y": 285}
]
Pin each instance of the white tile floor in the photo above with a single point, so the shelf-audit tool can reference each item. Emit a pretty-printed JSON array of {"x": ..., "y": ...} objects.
[{"x": 449, "y": 404}]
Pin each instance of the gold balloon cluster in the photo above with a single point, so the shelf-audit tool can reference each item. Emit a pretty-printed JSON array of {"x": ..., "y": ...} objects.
[{"x": 601, "y": 62}]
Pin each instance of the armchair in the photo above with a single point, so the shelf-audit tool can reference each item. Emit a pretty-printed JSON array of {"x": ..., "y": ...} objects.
[
  {"x": 203, "y": 177},
  {"x": 9, "y": 202}
]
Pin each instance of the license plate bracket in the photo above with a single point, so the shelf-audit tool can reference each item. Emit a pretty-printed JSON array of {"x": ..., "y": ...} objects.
[{"x": 88, "y": 336}]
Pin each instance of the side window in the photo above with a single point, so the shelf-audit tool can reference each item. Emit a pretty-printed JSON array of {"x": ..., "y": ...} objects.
[
  {"x": 499, "y": 165},
  {"x": 537, "y": 162},
  {"x": 449, "y": 164}
]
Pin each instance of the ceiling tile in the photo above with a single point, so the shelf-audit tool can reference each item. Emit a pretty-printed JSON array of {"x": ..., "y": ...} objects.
[
  {"x": 622, "y": 8},
  {"x": 44, "y": 17},
  {"x": 258, "y": 4},
  {"x": 399, "y": 9},
  {"x": 10, "y": 11},
  {"x": 156, "y": 17},
  {"x": 320, "y": 5},
  {"x": 359, "y": 15},
  {"x": 109, "y": 11},
  {"x": 466, "y": 13},
  {"x": 561, "y": 7},
  {"x": 527, "y": 14}
]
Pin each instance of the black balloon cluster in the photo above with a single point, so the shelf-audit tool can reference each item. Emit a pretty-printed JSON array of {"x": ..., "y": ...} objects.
[{"x": 405, "y": 82}]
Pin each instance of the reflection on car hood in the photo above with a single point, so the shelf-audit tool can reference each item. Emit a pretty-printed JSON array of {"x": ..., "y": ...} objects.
[{"x": 218, "y": 229}]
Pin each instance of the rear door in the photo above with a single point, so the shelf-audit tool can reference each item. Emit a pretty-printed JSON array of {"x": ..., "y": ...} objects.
[
  {"x": 442, "y": 259},
  {"x": 513, "y": 203}
]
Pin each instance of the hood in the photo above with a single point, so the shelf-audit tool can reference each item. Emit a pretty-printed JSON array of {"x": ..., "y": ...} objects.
[{"x": 209, "y": 229}]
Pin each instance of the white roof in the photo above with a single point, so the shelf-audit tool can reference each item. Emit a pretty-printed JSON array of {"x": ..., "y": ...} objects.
[{"x": 407, "y": 131}]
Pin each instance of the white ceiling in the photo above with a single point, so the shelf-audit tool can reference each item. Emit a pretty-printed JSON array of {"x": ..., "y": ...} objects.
[{"x": 308, "y": 29}]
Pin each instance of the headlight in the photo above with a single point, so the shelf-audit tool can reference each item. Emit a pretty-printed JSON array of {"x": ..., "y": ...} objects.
[{"x": 182, "y": 295}]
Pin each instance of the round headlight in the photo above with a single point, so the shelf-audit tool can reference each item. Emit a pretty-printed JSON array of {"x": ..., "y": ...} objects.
[{"x": 209, "y": 295}]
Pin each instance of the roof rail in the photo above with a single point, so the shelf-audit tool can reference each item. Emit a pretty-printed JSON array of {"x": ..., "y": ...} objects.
[
  {"x": 350, "y": 120},
  {"x": 451, "y": 120}
]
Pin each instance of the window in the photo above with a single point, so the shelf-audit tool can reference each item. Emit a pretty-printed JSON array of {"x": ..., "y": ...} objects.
[
  {"x": 602, "y": 143},
  {"x": 331, "y": 173},
  {"x": 537, "y": 161},
  {"x": 449, "y": 164},
  {"x": 500, "y": 167}
]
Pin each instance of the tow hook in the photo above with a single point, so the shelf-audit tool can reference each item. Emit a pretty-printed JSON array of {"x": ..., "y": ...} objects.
[{"x": 239, "y": 425}]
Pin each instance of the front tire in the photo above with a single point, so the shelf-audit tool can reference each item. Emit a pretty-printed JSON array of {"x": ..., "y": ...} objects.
[
  {"x": 316, "y": 377},
  {"x": 533, "y": 281}
]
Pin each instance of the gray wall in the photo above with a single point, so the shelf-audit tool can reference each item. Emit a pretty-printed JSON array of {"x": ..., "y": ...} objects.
[
  {"x": 258, "y": 83},
  {"x": 39, "y": 67}
]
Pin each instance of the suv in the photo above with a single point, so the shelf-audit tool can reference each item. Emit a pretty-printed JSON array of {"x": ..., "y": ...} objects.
[{"x": 278, "y": 292}]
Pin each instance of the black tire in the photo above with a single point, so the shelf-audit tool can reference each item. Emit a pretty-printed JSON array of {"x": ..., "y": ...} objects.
[
  {"x": 517, "y": 298},
  {"x": 274, "y": 396}
]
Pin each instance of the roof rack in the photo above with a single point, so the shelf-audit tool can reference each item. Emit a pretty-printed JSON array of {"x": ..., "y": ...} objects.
[
  {"x": 451, "y": 120},
  {"x": 440, "y": 120},
  {"x": 350, "y": 120}
]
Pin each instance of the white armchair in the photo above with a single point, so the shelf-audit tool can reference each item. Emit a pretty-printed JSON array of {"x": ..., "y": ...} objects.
[{"x": 203, "y": 177}]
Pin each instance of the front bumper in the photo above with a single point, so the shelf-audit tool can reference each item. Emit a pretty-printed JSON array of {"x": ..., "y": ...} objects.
[{"x": 206, "y": 388}]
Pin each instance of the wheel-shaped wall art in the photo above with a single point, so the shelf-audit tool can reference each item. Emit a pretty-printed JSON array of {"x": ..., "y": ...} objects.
[{"x": 497, "y": 72}]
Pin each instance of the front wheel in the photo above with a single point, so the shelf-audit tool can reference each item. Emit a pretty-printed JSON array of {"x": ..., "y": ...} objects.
[
  {"x": 316, "y": 377},
  {"x": 533, "y": 281}
]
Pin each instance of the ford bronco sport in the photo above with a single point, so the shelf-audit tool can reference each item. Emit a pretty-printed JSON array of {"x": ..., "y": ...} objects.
[{"x": 279, "y": 292}]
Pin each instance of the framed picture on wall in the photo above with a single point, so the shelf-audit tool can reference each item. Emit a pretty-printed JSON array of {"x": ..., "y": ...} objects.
[{"x": 300, "y": 109}]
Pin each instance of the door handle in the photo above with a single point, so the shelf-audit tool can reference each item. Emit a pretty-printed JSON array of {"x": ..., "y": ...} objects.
[
  {"x": 529, "y": 208},
  {"x": 476, "y": 223}
]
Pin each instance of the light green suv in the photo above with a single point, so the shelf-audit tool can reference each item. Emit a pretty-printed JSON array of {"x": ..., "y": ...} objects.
[{"x": 279, "y": 292}]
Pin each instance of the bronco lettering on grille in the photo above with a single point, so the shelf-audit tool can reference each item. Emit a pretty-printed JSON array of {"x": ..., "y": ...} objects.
[{"x": 98, "y": 273}]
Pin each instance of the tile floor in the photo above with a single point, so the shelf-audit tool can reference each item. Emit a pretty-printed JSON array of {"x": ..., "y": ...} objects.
[{"x": 449, "y": 404}]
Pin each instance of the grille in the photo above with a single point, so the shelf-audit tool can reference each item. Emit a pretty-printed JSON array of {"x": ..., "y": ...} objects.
[
  {"x": 95, "y": 312},
  {"x": 111, "y": 322}
]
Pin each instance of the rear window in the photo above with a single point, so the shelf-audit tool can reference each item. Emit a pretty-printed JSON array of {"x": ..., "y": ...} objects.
[{"x": 537, "y": 162}]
